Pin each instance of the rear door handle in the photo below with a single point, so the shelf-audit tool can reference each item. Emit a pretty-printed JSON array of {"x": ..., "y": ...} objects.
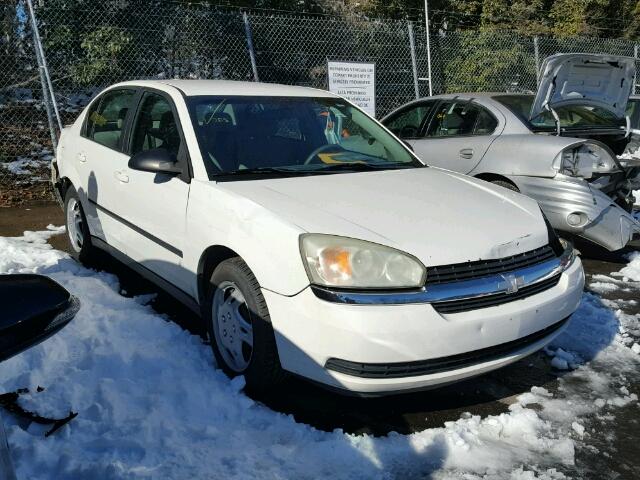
[
  {"x": 82, "y": 157},
  {"x": 121, "y": 176},
  {"x": 466, "y": 153}
]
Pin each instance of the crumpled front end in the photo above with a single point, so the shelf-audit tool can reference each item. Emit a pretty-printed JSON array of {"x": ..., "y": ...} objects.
[
  {"x": 575, "y": 206},
  {"x": 619, "y": 186}
]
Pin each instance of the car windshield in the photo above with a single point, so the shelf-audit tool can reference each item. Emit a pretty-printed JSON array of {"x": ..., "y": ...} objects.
[
  {"x": 574, "y": 117},
  {"x": 246, "y": 135}
]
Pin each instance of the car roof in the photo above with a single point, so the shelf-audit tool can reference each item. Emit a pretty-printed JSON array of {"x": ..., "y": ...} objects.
[
  {"x": 232, "y": 87},
  {"x": 481, "y": 94}
]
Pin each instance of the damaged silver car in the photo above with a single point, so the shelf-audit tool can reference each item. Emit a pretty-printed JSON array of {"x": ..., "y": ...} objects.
[{"x": 559, "y": 146}]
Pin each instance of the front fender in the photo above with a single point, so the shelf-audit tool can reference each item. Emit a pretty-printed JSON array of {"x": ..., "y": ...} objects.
[{"x": 266, "y": 243}]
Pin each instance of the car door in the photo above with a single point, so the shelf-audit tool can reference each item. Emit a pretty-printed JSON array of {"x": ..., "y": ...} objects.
[
  {"x": 99, "y": 157},
  {"x": 156, "y": 203},
  {"x": 458, "y": 135}
]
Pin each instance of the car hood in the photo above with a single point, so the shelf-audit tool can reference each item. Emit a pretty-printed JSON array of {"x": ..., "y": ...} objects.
[
  {"x": 584, "y": 79},
  {"x": 439, "y": 216}
]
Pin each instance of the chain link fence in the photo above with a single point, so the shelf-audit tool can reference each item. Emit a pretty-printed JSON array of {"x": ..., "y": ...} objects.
[{"x": 90, "y": 45}]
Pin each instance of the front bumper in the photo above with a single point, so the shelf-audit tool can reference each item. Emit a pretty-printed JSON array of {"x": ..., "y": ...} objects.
[
  {"x": 605, "y": 222},
  {"x": 310, "y": 332}
]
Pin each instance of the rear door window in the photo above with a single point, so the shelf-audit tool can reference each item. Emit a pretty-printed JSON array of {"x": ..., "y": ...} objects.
[{"x": 106, "y": 120}]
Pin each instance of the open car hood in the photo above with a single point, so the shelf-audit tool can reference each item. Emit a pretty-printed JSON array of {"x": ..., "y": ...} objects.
[{"x": 603, "y": 81}]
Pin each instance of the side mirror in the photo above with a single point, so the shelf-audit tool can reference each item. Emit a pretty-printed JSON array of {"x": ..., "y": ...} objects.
[
  {"x": 157, "y": 160},
  {"x": 34, "y": 308}
]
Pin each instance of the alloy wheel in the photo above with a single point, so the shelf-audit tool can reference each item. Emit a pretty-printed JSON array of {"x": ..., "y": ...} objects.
[{"x": 75, "y": 224}]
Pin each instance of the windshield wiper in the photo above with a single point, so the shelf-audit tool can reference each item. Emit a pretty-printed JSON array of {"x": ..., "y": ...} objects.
[
  {"x": 360, "y": 167},
  {"x": 260, "y": 171},
  {"x": 293, "y": 172}
]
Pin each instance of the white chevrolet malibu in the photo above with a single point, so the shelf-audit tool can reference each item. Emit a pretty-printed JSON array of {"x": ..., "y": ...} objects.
[{"x": 309, "y": 238}]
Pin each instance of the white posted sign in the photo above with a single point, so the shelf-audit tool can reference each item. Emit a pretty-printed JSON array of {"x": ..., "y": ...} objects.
[{"x": 355, "y": 81}]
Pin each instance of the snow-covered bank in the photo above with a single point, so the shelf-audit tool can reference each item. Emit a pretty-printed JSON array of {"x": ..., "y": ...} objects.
[{"x": 151, "y": 404}]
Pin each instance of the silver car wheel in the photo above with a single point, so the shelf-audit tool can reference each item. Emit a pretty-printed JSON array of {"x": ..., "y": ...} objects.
[
  {"x": 75, "y": 225},
  {"x": 232, "y": 326}
]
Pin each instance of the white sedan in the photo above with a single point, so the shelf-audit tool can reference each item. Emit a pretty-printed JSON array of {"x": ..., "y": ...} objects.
[{"x": 309, "y": 238}]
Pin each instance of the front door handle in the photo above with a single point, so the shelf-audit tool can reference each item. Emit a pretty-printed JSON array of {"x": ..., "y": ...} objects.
[
  {"x": 121, "y": 176},
  {"x": 466, "y": 153}
]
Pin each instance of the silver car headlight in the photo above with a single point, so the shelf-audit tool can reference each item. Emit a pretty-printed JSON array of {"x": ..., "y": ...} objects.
[
  {"x": 335, "y": 261},
  {"x": 585, "y": 160},
  {"x": 568, "y": 254}
]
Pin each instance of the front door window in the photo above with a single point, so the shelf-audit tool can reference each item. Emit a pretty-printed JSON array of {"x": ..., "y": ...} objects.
[{"x": 155, "y": 126}]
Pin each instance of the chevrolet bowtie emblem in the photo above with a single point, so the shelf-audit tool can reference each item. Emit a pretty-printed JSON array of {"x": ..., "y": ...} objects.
[{"x": 513, "y": 283}]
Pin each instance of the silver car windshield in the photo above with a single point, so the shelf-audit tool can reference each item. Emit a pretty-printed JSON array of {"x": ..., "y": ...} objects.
[
  {"x": 252, "y": 135},
  {"x": 572, "y": 117}
]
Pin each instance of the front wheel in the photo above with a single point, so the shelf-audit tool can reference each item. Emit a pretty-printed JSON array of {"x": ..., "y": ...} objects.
[{"x": 239, "y": 327}]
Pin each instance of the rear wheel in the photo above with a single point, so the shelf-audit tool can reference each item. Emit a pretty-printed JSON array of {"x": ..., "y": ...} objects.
[
  {"x": 78, "y": 229},
  {"x": 239, "y": 327}
]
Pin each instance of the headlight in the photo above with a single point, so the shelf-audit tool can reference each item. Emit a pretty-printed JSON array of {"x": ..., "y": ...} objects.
[
  {"x": 585, "y": 160},
  {"x": 349, "y": 263}
]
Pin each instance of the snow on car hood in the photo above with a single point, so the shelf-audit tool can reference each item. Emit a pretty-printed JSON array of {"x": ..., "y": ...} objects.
[
  {"x": 439, "y": 216},
  {"x": 584, "y": 79}
]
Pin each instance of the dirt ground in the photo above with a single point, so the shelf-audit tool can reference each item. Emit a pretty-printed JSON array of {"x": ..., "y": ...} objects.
[{"x": 486, "y": 395}]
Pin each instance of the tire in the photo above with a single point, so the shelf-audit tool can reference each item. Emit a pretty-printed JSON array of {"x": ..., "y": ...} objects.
[
  {"x": 505, "y": 184},
  {"x": 235, "y": 310},
  {"x": 78, "y": 234}
]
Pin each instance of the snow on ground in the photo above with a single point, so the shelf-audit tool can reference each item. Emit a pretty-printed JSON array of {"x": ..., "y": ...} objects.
[
  {"x": 603, "y": 287},
  {"x": 35, "y": 166},
  {"x": 152, "y": 405},
  {"x": 632, "y": 270}
]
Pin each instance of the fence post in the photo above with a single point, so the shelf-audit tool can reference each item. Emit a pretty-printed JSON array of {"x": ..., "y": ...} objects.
[
  {"x": 252, "y": 53},
  {"x": 635, "y": 75},
  {"x": 536, "y": 53},
  {"x": 43, "y": 63},
  {"x": 426, "y": 24},
  {"x": 43, "y": 84},
  {"x": 414, "y": 65}
]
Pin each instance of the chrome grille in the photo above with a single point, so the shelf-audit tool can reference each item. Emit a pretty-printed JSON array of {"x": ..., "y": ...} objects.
[
  {"x": 483, "y": 268},
  {"x": 457, "y": 306}
]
